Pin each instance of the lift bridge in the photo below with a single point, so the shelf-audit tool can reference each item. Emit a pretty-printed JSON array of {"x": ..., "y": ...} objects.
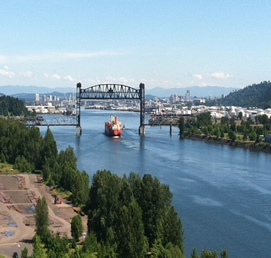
[{"x": 99, "y": 92}]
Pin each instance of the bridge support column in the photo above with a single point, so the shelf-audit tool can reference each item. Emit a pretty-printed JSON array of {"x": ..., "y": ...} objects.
[
  {"x": 170, "y": 129},
  {"x": 142, "y": 130},
  {"x": 78, "y": 130}
]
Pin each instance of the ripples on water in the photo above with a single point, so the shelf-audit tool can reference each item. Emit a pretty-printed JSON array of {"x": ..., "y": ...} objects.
[{"x": 222, "y": 193}]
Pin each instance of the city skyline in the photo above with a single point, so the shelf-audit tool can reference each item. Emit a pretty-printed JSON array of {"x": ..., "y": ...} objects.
[{"x": 169, "y": 44}]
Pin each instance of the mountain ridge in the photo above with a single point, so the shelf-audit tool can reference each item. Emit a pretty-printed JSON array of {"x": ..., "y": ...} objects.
[{"x": 205, "y": 91}]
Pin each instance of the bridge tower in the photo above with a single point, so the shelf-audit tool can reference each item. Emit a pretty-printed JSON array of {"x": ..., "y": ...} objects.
[
  {"x": 142, "y": 108},
  {"x": 78, "y": 109}
]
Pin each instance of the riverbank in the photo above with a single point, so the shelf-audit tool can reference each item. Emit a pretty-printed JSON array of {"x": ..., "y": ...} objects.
[{"x": 265, "y": 147}]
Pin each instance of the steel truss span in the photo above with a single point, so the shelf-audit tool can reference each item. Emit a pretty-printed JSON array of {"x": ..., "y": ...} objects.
[{"x": 110, "y": 91}]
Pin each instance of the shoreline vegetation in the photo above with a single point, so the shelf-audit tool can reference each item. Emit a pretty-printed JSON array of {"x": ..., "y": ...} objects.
[
  {"x": 238, "y": 132},
  {"x": 264, "y": 147}
]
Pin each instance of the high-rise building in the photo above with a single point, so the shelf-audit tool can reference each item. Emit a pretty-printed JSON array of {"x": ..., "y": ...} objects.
[
  {"x": 174, "y": 98},
  {"x": 187, "y": 95},
  {"x": 37, "y": 97}
]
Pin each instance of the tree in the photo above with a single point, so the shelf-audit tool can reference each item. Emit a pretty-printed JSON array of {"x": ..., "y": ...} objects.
[
  {"x": 80, "y": 188},
  {"x": 223, "y": 254},
  {"x": 208, "y": 254},
  {"x": 240, "y": 115},
  {"x": 38, "y": 251},
  {"x": 41, "y": 218},
  {"x": 57, "y": 246},
  {"x": 232, "y": 135},
  {"x": 194, "y": 253},
  {"x": 76, "y": 227},
  {"x": 130, "y": 232},
  {"x": 252, "y": 136},
  {"x": 49, "y": 148},
  {"x": 204, "y": 119},
  {"x": 24, "y": 253},
  {"x": 181, "y": 126}
]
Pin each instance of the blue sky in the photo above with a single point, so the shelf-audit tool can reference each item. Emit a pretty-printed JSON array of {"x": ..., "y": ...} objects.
[{"x": 163, "y": 43}]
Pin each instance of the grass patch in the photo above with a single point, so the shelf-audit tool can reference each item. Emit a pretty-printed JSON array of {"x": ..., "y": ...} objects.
[
  {"x": 6, "y": 168},
  {"x": 61, "y": 192}
]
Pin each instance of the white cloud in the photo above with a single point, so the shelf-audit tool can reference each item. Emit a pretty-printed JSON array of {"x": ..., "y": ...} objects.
[
  {"x": 6, "y": 67},
  {"x": 198, "y": 76},
  {"x": 46, "y": 75},
  {"x": 69, "y": 78},
  {"x": 220, "y": 75},
  {"x": 56, "y": 76},
  {"x": 6, "y": 73},
  {"x": 26, "y": 74}
]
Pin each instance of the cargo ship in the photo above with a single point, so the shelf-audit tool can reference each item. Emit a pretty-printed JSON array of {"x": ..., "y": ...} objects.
[{"x": 113, "y": 127}]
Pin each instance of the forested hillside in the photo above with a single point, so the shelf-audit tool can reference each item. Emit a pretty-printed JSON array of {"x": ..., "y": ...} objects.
[
  {"x": 12, "y": 106},
  {"x": 256, "y": 95}
]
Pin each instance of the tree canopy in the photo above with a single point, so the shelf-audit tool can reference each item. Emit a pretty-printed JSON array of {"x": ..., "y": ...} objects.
[
  {"x": 256, "y": 95},
  {"x": 12, "y": 106},
  {"x": 135, "y": 211}
]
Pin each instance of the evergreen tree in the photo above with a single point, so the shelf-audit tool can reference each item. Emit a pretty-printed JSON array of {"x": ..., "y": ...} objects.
[
  {"x": 181, "y": 126},
  {"x": 49, "y": 148},
  {"x": 194, "y": 253},
  {"x": 24, "y": 253},
  {"x": 38, "y": 251},
  {"x": 80, "y": 188},
  {"x": 42, "y": 219},
  {"x": 130, "y": 232},
  {"x": 76, "y": 227}
]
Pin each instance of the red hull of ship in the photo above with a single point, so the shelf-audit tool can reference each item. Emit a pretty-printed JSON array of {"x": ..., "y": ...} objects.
[{"x": 111, "y": 132}]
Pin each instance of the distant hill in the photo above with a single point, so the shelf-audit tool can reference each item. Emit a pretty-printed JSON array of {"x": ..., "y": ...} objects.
[
  {"x": 256, "y": 95},
  {"x": 12, "y": 90},
  {"x": 12, "y": 106},
  {"x": 213, "y": 91}
]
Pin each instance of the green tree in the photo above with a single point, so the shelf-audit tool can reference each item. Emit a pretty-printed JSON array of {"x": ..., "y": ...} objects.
[
  {"x": 41, "y": 218},
  {"x": 223, "y": 254},
  {"x": 49, "y": 149},
  {"x": 104, "y": 205},
  {"x": 23, "y": 165},
  {"x": 181, "y": 126},
  {"x": 57, "y": 246},
  {"x": 38, "y": 251},
  {"x": 130, "y": 232},
  {"x": 76, "y": 227},
  {"x": 204, "y": 119},
  {"x": 253, "y": 135},
  {"x": 232, "y": 135},
  {"x": 208, "y": 254},
  {"x": 24, "y": 253},
  {"x": 80, "y": 188},
  {"x": 194, "y": 253}
]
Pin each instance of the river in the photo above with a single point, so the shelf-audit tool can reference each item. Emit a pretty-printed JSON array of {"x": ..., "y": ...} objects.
[{"x": 221, "y": 193}]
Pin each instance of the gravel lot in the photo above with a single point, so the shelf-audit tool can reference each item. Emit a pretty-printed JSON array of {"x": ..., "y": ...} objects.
[{"x": 22, "y": 191}]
